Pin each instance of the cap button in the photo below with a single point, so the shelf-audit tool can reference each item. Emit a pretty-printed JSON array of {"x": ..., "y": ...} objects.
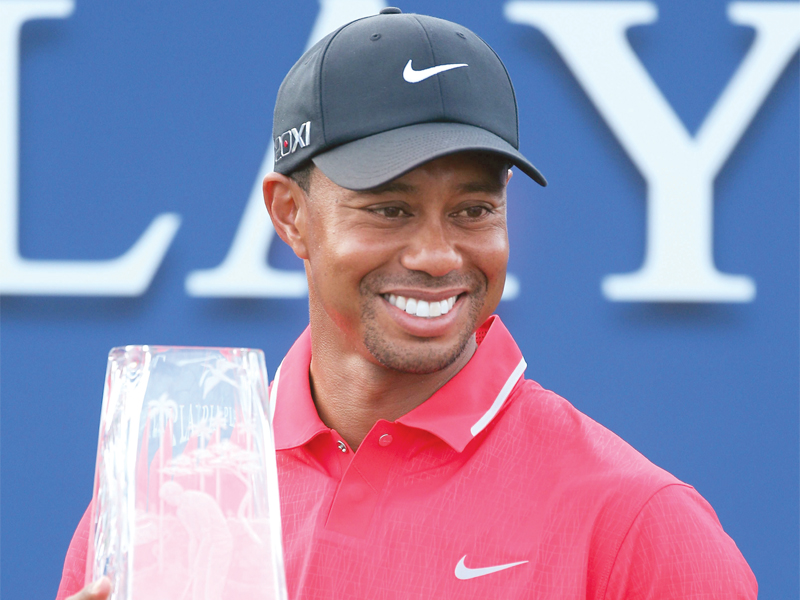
[{"x": 391, "y": 10}]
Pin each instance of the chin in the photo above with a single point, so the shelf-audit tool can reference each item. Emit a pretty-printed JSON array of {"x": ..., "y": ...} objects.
[
  {"x": 417, "y": 358},
  {"x": 404, "y": 353}
]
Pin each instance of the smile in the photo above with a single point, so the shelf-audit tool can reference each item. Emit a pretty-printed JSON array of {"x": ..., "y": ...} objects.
[{"x": 421, "y": 308}]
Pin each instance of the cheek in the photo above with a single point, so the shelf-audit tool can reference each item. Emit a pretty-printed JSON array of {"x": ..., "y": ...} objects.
[
  {"x": 491, "y": 256},
  {"x": 491, "y": 259},
  {"x": 339, "y": 259},
  {"x": 352, "y": 252}
]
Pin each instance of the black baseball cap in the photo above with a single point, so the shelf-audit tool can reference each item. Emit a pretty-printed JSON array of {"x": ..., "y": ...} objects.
[{"x": 384, "y": 94}]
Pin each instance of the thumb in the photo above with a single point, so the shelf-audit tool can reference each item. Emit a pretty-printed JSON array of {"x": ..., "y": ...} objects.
[{"x": 97, "y": 590}]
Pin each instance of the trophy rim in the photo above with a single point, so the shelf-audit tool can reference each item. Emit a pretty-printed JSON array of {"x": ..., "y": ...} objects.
[{"x": 165, "y": 347}]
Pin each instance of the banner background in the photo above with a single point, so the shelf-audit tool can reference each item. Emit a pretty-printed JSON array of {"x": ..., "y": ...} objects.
[{"x": 129, "y": 110}]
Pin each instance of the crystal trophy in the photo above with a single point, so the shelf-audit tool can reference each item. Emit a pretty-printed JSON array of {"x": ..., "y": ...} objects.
[{"x": 185, "y": 503}]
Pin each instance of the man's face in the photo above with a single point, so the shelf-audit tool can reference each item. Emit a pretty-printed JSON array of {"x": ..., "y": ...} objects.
[{"x": 403, "y": 274}]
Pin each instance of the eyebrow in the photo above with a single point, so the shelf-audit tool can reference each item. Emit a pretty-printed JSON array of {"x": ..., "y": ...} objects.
[
  {"x": 489, "y": 187},
  {"x": 391, "y": 187}
]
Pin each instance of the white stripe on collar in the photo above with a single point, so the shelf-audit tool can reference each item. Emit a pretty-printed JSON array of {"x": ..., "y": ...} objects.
[
  {"x": 273, "y": 395},
  {"x": 498, "y": 402}
]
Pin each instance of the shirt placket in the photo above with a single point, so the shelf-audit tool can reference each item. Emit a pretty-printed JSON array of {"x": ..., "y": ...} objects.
[{"x": 364, "y": 480}]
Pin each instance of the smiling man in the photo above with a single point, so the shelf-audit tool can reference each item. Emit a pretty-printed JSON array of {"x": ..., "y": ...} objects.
[
  {"x": 400, "y": 277},
  {"x": 415, "y": 459}
]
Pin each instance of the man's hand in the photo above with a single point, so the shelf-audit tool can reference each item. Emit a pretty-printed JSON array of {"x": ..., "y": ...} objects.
[{"x": 97, "y": 590}]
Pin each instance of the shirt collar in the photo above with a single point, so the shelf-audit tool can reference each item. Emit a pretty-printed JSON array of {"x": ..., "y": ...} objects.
[{"x": 456, "y": 413}]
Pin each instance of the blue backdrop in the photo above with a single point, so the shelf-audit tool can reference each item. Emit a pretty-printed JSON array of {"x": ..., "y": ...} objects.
[{"x": 130, "y": 110}]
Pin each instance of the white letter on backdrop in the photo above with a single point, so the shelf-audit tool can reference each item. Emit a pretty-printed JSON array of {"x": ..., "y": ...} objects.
[
  {"x": 679, "y": 169},
  {"x": 127, "y": 275}
]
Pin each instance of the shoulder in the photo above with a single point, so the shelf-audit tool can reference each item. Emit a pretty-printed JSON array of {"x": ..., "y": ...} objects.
[
  {"x": 571, "y": 464},
  {"x": 584, "y": 452},
  {"x": 643, "y": 526},
  {"x": 677, "y": 548}
]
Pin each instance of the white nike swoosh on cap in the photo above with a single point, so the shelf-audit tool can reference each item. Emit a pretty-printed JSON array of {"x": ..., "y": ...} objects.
[
  {"x": 463, "y": 572},
  {"x": 412, "y": 76}
]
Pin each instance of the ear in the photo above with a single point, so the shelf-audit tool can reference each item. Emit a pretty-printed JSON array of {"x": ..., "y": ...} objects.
[
  {"x": 510, "y": 175},
  {"x": 287, "y": 207}
]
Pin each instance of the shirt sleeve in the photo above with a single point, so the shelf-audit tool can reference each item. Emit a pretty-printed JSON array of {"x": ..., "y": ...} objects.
[
  {"x": 676, "y": 548},
  {"x": 74, "y": 574}
]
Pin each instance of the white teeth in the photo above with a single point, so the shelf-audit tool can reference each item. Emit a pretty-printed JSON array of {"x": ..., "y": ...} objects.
[{"x": 421, "y": 308}]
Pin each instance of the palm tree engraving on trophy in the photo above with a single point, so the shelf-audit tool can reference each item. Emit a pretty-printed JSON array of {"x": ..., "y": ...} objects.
[{"x": 185, "y": 500}]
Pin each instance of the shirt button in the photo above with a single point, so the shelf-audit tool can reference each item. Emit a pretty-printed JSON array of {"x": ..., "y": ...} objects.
[
  {"x": 385, "y": 440},
  {"x": 342, "y": 446}
]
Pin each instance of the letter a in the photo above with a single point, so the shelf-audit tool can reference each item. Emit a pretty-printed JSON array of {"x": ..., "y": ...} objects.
[
  {"x": 127, "y": 275},
  {"x": 679, "y": 169}
]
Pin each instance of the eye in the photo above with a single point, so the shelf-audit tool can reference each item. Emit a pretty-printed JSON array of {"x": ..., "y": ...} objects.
[
  {"x": 474, "y": 212},
  {"x": 390, "y": 212}
]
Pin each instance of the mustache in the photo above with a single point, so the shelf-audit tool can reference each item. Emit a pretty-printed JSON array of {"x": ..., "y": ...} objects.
[{"x": 420, "y": 279}]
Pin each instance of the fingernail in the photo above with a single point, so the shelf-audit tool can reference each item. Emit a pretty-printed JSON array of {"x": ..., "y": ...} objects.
[{"x": 97, "y": 585}]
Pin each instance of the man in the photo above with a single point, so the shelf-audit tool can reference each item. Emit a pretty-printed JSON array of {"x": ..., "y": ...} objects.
[{"x": 415, "y": 461}]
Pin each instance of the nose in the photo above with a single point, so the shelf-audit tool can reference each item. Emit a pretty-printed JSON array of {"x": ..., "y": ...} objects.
[{"x": 431, "y": 250}]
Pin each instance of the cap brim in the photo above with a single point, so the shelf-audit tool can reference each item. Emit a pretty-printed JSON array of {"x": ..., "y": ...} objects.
[{"x": 372, "y": 161}]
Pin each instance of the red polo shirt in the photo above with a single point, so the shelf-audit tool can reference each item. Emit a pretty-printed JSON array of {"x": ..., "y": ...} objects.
[{"x": 493, "y": 488}]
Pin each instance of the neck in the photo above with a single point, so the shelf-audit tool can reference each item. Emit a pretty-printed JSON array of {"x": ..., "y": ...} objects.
[{"x": 352, "y": 392}]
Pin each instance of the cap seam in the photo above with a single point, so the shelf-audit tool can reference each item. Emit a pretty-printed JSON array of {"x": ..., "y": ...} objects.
[
  {"x": 322, "y": 76},
  {"x": 433, "y": 56},
  {"x": 510, "y": 83}
]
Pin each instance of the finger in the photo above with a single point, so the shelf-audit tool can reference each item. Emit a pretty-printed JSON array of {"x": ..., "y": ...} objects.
[{"x": 97, "y": 590}]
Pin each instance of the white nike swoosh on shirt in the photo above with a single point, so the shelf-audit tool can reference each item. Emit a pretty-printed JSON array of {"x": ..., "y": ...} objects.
[
  {"x": 463, "y": 572},
  {"x": 412, "y": 76}
]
